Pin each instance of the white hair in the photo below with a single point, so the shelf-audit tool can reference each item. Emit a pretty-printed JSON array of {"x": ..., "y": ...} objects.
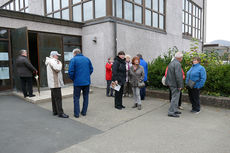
[
  {"x": 179, "y": 55},
  {"x": 76, "y": 51},
  {"x": 127, "y": 56}
]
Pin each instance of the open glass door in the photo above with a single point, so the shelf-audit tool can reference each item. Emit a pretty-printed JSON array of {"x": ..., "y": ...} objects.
[{"x": 19, "y": 39}]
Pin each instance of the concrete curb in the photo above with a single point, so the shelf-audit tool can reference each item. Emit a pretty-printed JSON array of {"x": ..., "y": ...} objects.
[{"x": 222, "y": 102}]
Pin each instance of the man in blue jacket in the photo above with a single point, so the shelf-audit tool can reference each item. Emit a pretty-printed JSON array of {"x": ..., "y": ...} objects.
[
  {"x": 80, "y": 69},
  {"x": 145, "y": 66}
]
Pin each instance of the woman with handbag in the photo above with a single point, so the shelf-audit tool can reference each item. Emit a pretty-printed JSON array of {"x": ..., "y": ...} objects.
[
  {"x": 195, "y": 80},
  {"x": 137, "y": 81}
]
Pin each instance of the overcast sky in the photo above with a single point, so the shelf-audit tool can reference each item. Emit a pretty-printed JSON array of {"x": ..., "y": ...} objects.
[{"x": 218, "y": 20}]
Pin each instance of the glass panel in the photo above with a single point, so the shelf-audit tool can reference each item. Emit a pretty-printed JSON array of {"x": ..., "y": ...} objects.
[
  {"x": 26, "y": 3},
  {"x": 182, "y": 28},
  {"x": 183, "y": 4},
  {"x": 76, "y": 1},
  {"x": 161, "y": 25},
  {"x": 50, "y": 15},
  {"x": 194, "y": 10},
  {"x": 198, "y": 23},
  {"x": 100, "y": 8},
  {"x": 48, "y": 6},
  {"x": 147, "y": 17},
  {"x": 72, "y": 40},
  {"x": 21, "y": 4},
  {"x": 128, "y": 11},
  {"x": 119, "y": 8},
  {"x": 113, "y": 7},
  {"x": 183, "y": 17},
  {"x": 3, "y": 46},
  {"x": 148, "y": 3},
  {"x": 56, "y": 4},
  {"x": 161, "y": 6},
  {"x": 7, "y": 7},
  {"x": 77, "y": 13},
  {"x": 65, "y": 14},
  {"x": 186, "y": 28},
  {"x": 11, "y": 6},
  {"x": 138, "y": 14},
  {"x": 197, "y": 12},
  {"x": 155, "y": 5},
  {"x": 186, "y": 5},
  {"x": 194, "y": 22},
  {"x": 155, "y": 20},
  {"x": 190, "y": 7},
  {"x": 138, "y": 1},
  {"x": 189, "y": 30},
  {"x": 88, "y": 10},
  {"x": 190, "y": 20},
  {"x": 3, "y": 33},
  {"x": 186, "y": 18},
  {"x": 57, "y": 15},
  {"x": 64, "y": 3},
  {"x": 27, "y": 10}
]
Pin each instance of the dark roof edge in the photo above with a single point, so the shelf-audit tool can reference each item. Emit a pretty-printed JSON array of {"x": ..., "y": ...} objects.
[{"x": 38, "y": 18}]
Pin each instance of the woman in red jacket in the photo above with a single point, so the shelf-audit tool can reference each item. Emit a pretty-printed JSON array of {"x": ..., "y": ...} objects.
[{"x": 108, "y": 77}]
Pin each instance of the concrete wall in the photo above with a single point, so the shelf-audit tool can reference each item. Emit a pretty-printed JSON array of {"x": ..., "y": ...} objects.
[
  {"x": 37, "y": 26},
  {"x": 152, "y": 44},
  {"x": 100, "y": 51}
]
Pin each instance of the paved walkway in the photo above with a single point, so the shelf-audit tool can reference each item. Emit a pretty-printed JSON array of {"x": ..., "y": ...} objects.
[{"x": 108, "y": 130}]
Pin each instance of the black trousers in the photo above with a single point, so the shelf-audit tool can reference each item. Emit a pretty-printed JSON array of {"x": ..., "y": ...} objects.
[
  {"x": 194, "y": 97},
  {"x": 109, "y": 91},
  {"x": 170, "y": 97},
  {"x": 27, "y": 86},
  {"x": 56, "y": 97},
  {"x": 118, "y": 97}
]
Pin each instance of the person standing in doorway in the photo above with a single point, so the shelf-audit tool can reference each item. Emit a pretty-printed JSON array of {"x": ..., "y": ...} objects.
[
  {"x": 55, "y": 82},
  {"x": 119, "y": 76},
  {"x": 144, "y": 64},
  {"x": 108, "y": 76},
  {"x": 25, "y": 71},
  {"x": 80, "y": 69},
  {"x": 174, "y": 80}
]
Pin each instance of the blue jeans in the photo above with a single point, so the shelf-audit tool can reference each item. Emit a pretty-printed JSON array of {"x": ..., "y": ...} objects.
[
  {"x": 76, "y": 97},
  {"x": 143, "y": 92}
]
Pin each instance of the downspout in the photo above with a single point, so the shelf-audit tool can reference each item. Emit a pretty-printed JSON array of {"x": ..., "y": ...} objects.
[
  {"x": 204, "y": 12},
  {"x": 115, "y": 28}
]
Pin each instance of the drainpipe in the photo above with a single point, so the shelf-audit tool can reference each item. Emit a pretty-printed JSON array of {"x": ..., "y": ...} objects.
[
  {"x": 204, "y": 13},
  {"x": 115, "y": 38}
]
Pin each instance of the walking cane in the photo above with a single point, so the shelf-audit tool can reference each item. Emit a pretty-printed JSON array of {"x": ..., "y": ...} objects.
[{"x": 38, "y": 85}]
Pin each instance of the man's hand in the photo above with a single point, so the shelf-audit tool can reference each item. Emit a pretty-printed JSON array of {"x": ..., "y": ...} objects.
[{"x": 116, "y": 82}]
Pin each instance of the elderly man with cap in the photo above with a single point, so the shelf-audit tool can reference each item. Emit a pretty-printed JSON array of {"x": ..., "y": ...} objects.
[
  {"x": 174, "y": 80},
  {"x": 55, "y": 82}
]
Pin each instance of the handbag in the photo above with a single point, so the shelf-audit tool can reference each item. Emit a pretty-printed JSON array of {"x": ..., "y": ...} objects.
[
  {"x": 190, "y": 83},
  {"x": 141, "y": 84},
  {"x": 163, "y": 81}
]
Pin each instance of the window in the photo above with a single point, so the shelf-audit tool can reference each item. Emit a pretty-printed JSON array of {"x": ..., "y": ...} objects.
[
  {"x": 16, "y": 5},
  {"x": 76, "y": 10},
  {"x": 148, "y": 12},
  {"x": 191, "y": 19}
]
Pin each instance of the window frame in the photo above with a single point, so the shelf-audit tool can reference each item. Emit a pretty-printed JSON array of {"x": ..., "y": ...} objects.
[{"x": 7, "y": 6}]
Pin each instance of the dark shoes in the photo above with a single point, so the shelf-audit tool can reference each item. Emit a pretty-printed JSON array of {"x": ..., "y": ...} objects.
[
  {"x": 54, "y": 114},
  {"x": 173, "y": 115},
  {"x": 178, "y": 112},
  {"x": 120, "y": 108},
  {"x": 195, "y": 112},
  {"x": 63, "y": 116},
  {"x": 83, "y": 114},
  {"x": 135, "y": 105},
  {"x": 76, "y": 116},
  {"x": 139, "y": 107},
  {"x": 32, "y": 95},
  {"x": 26, "y": 96}
]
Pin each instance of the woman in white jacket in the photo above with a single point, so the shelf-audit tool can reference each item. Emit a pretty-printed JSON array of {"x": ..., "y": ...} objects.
[{"x": 55, "y": 82}]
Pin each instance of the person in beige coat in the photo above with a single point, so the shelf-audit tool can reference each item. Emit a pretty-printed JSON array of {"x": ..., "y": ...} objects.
[
  {"x": 55, "y": 82},
  {"x": 136, "y": 75}
]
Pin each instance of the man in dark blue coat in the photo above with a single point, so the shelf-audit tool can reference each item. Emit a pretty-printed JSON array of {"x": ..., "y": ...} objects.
[{"x": 80, "y": 69}]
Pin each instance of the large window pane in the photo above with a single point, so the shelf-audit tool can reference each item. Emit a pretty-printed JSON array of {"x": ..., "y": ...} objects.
[
  {"x": 48, "y": 6},
  {"x": 16, "y": 5},
  {"x": 57, "y": 15},
  {"x": 77, "y": 13},
  {"x": 21, "y": 4},
  {"x": 138, "y": 1},
  {"x": 148, "y": 3},
  {"x": 148, "y": 17},
  {"x": 161, "y": 25},
  {"x": 162, "y": 6},
  {"x": 56, "y": 4},
  {"x": 88, "y": 10},
  {"x": 119, "y": 8},
  {"x": 183, "y": 28},
  {"x": 100, "y": 8},
  {"x": 64, "y": 3},
  {"x": 11, "y": 6},
  {"x": 3, "y": 33},
  {"x": 65, "y": 14},
  {"x": 155, "y": 20},
  {"x": 138, "y": 14},
  {"x": 128, "y": 11},
  {"x": 76, "y": 1},
  {"x": 155, "y": 5},
  {"x": 190, "y": 7},
  {"x": 26, "y": 3}
]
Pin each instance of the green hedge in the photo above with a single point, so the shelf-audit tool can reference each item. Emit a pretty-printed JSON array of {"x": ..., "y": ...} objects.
[{"x": 218, "y": 74}]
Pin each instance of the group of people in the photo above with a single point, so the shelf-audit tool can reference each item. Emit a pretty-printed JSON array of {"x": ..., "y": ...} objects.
[
  {"x": 195, "y": 80},
  {"x": 121, "y": 71},
  {"x": 128, "y": 74}
]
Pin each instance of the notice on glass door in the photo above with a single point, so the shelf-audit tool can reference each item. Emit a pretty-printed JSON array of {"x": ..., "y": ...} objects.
[
  {"x": 4, "y": 73},
  {"x": 4, "y": 57}
]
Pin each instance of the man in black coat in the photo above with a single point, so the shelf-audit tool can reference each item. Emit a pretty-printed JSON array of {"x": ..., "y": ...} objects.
[
  {"x": 119, "y": 77},
  {"x": 25, "y": 71}
]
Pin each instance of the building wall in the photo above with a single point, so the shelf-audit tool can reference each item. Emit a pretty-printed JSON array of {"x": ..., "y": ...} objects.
[
  {"x": 152, "y": 44},
  {"x": 37, "y": 26},
  {"x": 36, "y": 7},
  {"x": 100, "y": 51}
]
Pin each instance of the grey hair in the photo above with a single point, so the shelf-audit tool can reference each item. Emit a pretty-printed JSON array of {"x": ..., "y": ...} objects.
[
  {"x": 76, "y": 51},
  {"x": 179, "y": 55},
  {"x": 22, "y": 51}
]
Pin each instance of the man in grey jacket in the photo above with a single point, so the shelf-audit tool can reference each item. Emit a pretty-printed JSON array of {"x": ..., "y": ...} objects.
[{"x": 174, "y": 81}]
